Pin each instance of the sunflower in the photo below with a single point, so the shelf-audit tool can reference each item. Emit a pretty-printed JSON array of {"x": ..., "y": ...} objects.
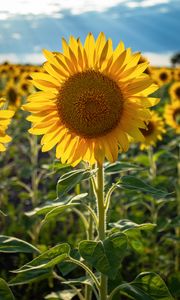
[
  {"x": 172, "y": 115},
  {"x": 176, "y": 74},
  {"x": 153, "y": 132},
  {"x": 162, "y": 76},
  {"x": 5, "y": 118},
  {"x": 174, "y": 91},
  {"x": 12, "y": 95},
  {"x": 93, "y": 99}
]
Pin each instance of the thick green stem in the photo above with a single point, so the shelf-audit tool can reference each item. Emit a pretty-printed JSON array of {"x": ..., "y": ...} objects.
[{"x": 101, "y": 223}]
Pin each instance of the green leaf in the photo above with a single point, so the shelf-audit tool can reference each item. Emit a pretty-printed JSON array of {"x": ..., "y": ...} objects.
[
  {"x": 81, "y": 280},
  {"x": 125, "y": 225},
  {"x": 70, "y": 179},
  {"x": 118, "y": 167},
  {"x": 47, "y": 207},
  {"x": 105, "y": 256},
  {"x": 5, "y": 292},
  {"x": 134, "y": 183},
  {"x": 147, "y": 286},
  {"x": 62, "y": 295},
  {"x": 9, "y": 244},
  {"x": 57, "y": 211},
  {"x": 41, "y": 266}
]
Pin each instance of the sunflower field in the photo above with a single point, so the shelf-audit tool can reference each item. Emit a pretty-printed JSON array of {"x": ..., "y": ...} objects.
[{"x": 90, "y": 176}]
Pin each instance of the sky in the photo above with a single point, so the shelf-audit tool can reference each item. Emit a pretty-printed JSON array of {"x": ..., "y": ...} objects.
[{"x": 28, "y": 26}]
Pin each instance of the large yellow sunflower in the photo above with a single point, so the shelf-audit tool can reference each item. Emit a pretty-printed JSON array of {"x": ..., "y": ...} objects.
[
  {"x": 174, "y": 91},
  {"x": 5, "y": 119},
  {"x": 153, "y": 132},
  {"x": 93, "y": 98},
  {"x": 172, "y": 115}
]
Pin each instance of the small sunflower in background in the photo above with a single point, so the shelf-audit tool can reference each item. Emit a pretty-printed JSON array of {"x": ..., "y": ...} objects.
[
  {"x": 93, "y": 99},
  {"x": 12, "y": 96},
  {"x": 174, "y": 91},
  {"x": 5, "y": 119},
  {"x": 176, "y": 74},
  {"x": 162, "y": 76},
  {"x": 154, "y": 131},
  {"x": 172, "y": 115}
]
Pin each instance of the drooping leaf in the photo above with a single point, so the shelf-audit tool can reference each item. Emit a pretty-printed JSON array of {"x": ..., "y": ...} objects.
[
  {"x": 147, "y": 286},
  {"x": 9, "y": 244},
  {"x": 70, "y": 179},
  {"x": 5, "y": 292},
  {"x": 118, "y": 167},
  {"x": 57, "y": 211},
  {"x": 41, "y": 266},
  {"x": 134, "y": 183},
  {"x": 47, "y": 207},
  {"x": 105, "y": 256},
  {"x": 62, "y": 295},
  {"x": 125, "y": 225}
]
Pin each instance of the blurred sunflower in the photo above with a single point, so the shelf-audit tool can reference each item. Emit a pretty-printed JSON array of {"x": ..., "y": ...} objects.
[
  {"x": 162, "y": 76},
  {"x": 12, "y": 95},
  {"x": 93, "y": 98},
  {"x": 176, "y": 74},
  {"x": 5, "y": 119},
  {"x": 174, "y": 91},
  {"x": 153, "y": 132},
  {"x": 172, "y": 115}
]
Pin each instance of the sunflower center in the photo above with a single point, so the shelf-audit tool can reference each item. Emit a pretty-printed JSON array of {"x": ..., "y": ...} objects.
[
  {"x": 12, "y": 95},
  {"x": 90, "y": 104},
  {"x": 176, "y": 116},
  {"x": 149, "y": 130},
  {"x": 178, "y": 92},
  {"x": 163, "y": 76}
]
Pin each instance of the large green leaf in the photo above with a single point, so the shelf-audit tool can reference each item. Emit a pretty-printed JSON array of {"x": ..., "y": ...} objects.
[
  {"x": 70, "y": 179},
  {"x": 118, "y": 167},
  {"x": 147, "y": 286},
  {"x": 105, "y": 256},
  {"x": 134, "y": 183},
  {"x": 9, "y": 244},
  {"x": 125, "y": 225},
  {"x": 47, "y": 207},
  {"x": 5, "y": 292},
  {"x": 42, "y": 265}
]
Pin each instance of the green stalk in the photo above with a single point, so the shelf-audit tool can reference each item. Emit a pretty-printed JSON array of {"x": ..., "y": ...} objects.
[
  {"x": 101, "y": 224},
  {"x": 177, "y": 230},
  {"x": 152, "y": 163}
]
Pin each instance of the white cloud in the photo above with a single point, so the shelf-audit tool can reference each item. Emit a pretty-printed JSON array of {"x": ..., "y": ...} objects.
[
  {"x": 159, "y": 59},
  {"x": 16, "y": 35},
  {"x": 146, "y": 3},
  {"x": 31, "y": 58},
  {"x": 54, "y": 8},
  {"x": 155, "y": 59}
]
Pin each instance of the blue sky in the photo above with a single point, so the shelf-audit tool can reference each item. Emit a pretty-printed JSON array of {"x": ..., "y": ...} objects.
[{"x": 28, "y": 26}]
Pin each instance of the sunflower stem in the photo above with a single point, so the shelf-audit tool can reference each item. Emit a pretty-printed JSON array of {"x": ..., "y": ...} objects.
[
  {"x": 101, "y": 223},
  {"x": 152, "y": 163}
]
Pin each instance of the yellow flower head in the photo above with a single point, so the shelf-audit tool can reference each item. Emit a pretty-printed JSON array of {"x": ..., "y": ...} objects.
[
  {"x": 172, "y": 115},
  {"x": 153, "y": 132},
  {"x": 5, "y": 119},
  {"x": 162, "y": 76},
  {"x": 174, "y": 91},
  {"x": 12, "y": 95},
  {"x": 93, "y": 98}
]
